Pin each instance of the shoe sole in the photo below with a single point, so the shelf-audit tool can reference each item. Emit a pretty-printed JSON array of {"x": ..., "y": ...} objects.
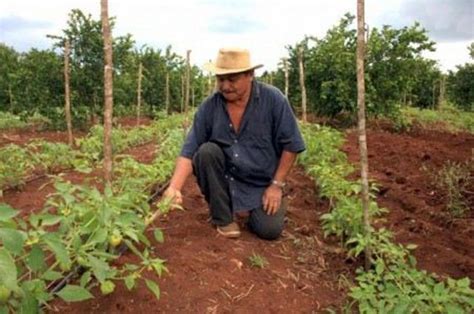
[{"x": 229, "y": 234}]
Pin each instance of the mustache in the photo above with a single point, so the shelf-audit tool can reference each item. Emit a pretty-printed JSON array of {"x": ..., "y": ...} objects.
[{"x": 226, "y": 91}]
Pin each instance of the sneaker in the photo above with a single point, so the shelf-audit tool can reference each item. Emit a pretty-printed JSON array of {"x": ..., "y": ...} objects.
[{"x": 231, "y": 231}]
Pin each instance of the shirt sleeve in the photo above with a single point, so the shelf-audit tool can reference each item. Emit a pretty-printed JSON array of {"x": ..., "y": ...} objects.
[
  {"x": 197, "y": 135},
  {"x": 286, "y": 132}
]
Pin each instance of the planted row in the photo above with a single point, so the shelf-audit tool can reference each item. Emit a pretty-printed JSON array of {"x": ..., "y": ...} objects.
[
  {"x": 393, "y": 285},
  {"x": 83, "y": 226}
]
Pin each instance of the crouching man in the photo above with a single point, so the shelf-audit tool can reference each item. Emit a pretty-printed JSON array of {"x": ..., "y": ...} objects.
[{"x": 242, "y": 144}]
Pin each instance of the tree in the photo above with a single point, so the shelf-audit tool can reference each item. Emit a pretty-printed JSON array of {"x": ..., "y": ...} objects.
[
  {"x": 9, "y": 64},
  {"x": 460, "y": 88}
]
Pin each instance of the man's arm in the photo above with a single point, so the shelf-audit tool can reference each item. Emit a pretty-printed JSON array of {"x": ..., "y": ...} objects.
[
  {"x": 273, "y": 194},
  {"x": 183, "y": 169}
]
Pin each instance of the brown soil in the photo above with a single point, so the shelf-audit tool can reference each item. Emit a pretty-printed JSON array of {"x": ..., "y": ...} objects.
[
  {"x": 305, "y": 272},
  {"x": 403, "y": 166}
]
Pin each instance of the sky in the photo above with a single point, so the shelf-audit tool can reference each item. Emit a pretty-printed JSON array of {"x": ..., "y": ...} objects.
[{"x": 264, "y": 27}]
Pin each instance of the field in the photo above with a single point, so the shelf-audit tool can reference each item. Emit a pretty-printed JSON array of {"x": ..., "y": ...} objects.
[{"x": 303, "y": 271}]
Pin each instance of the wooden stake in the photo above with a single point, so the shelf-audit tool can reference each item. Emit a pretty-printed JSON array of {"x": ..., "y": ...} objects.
[
  {"x": 361, "y": 117},
  {"x": 302, "y": 84},
  {"x": 108, "y": 90}
]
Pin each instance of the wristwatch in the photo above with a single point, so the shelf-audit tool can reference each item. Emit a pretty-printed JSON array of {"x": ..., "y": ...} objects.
[{"x": 279, "y": 184}]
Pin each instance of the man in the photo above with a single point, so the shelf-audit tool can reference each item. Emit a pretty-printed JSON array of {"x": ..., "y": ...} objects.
[{"x": 243, "y": 142}]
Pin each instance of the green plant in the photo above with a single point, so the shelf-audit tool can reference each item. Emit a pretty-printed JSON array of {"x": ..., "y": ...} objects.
[
  {"x": 394, "y": 285},
  {"x": 10, "y": 121},
  {"x": 15, "y": 164},
  {"x": 257, "y": 261},
  {"x": 455, "y": 180}
]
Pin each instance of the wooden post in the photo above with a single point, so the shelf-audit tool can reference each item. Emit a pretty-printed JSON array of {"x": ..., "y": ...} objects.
[
  {"x": 188, "y": 79},
  {"x": 361, "y": 115},
  {"x": 285, "y": 67},
  {"x": 167, "y": 92},
  {"x": 67, "y": 93},
  {"x": 139, "y": 92},
  {"x": 108, "y": 91},
  {"x": 10, "y": 96},
  {"x": 182, "y": 93},
  {"x": 302, "y": 84},
  {"x": 442, "y": 91}
]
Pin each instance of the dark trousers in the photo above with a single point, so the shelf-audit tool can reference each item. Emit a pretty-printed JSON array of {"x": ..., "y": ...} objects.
[{"x": 209, "y": 169}]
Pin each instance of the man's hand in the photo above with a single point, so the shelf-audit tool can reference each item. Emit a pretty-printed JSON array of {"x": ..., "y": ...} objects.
[
  {"x": 174, "y": 195},
  {"x": 272, "y": 199}
]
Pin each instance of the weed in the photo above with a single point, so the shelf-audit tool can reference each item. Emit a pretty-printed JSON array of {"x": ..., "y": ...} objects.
[
  {"x": 455, "y": 179},
  {"x": 258, "y": 261}
]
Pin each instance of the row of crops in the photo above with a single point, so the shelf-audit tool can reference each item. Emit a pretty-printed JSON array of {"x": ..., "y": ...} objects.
[
  {"x": 393, "y": 284},
  {"x": 19, "y": 164},
  {"x": 83, "y": 229}
]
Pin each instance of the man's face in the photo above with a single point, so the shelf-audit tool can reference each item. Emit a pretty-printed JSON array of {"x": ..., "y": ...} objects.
[{"x": 234, "y": 86}]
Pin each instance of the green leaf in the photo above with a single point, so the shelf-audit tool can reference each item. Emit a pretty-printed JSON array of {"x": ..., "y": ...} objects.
[
  {"x": 35, "y": 259},
  {"x": 158, "y": 233},
  {"x": 8, "y": 271},
  {"x": 153, "y": 288},
  {"x": 100, "y": 236},
  {"x": 379, "y": 268},
  {"x": 51, "y": 275},
  {"x": 12, "y": 240},
  {"x": 7, "y": 212},
  {"x": 99, "y": 268},
  {"x": 4, "y": 309},
  {"x": 130, "y": 282},
  {"x": 464, "y": 283},
  {"x": 58, "y": 249},
  {"x": 73, "y": 293},
  {"x": 29, "y": 304},
  {"x": 50, "y": 220},
  {"x": 85, "y": 278},
  {"x": 453, "y": 308}
]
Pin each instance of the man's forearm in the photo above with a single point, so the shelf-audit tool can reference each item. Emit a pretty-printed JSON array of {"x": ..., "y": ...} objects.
[
  {"x": 184, "y": 168},
  {"x": 286, "y": 162}
]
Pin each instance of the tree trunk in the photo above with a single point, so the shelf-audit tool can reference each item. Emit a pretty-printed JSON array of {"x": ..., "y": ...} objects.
[
  {"x": 303, "y": 88},
  {"x": 362, "y": 133},
  {"x": 139, "y": 92},
  {"x": 67, "y": 94},
  {"x": 210, "y": 85},
  {"x": 285, "y": 67},
  {"x": 10, "y": 96},
  {"x": 108, "y": 91},
  {"x": 167, "y": 93},
  {"x": 442, "y": 91},
  {"x": 182, "y": 93},
  {"x": 188, "y": 79}
]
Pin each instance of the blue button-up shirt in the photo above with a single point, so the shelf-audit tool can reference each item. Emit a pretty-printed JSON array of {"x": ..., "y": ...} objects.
[{"x": 267, "y": 128}]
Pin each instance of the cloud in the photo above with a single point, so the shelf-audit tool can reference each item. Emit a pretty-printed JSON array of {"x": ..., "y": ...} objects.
[
  {"x": 234, "y": 25},
  {"x": 445, "y": 21},
  {"x": 16, "y": 23}
]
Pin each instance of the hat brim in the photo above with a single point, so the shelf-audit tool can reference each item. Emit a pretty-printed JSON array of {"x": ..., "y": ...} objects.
[{"x": 211, "y": 67}]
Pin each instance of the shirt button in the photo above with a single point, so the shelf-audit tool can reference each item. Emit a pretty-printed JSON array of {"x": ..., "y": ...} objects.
[
  {"x": 231, "y": 179},
  {"x": 230, "y": 125},
  {"x": 236, "y": 155},
  {"x": 235, "y": 141},
  {"x": 226, "y": 176}
]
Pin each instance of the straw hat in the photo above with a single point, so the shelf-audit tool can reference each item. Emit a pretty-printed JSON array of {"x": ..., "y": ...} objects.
[{"x": 231, "y": 60}]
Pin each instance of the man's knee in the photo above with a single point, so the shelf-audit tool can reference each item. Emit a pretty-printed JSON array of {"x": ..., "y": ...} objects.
[
  {"x": 268, "y": 232},
  {"x": 265, "y": 226}
]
